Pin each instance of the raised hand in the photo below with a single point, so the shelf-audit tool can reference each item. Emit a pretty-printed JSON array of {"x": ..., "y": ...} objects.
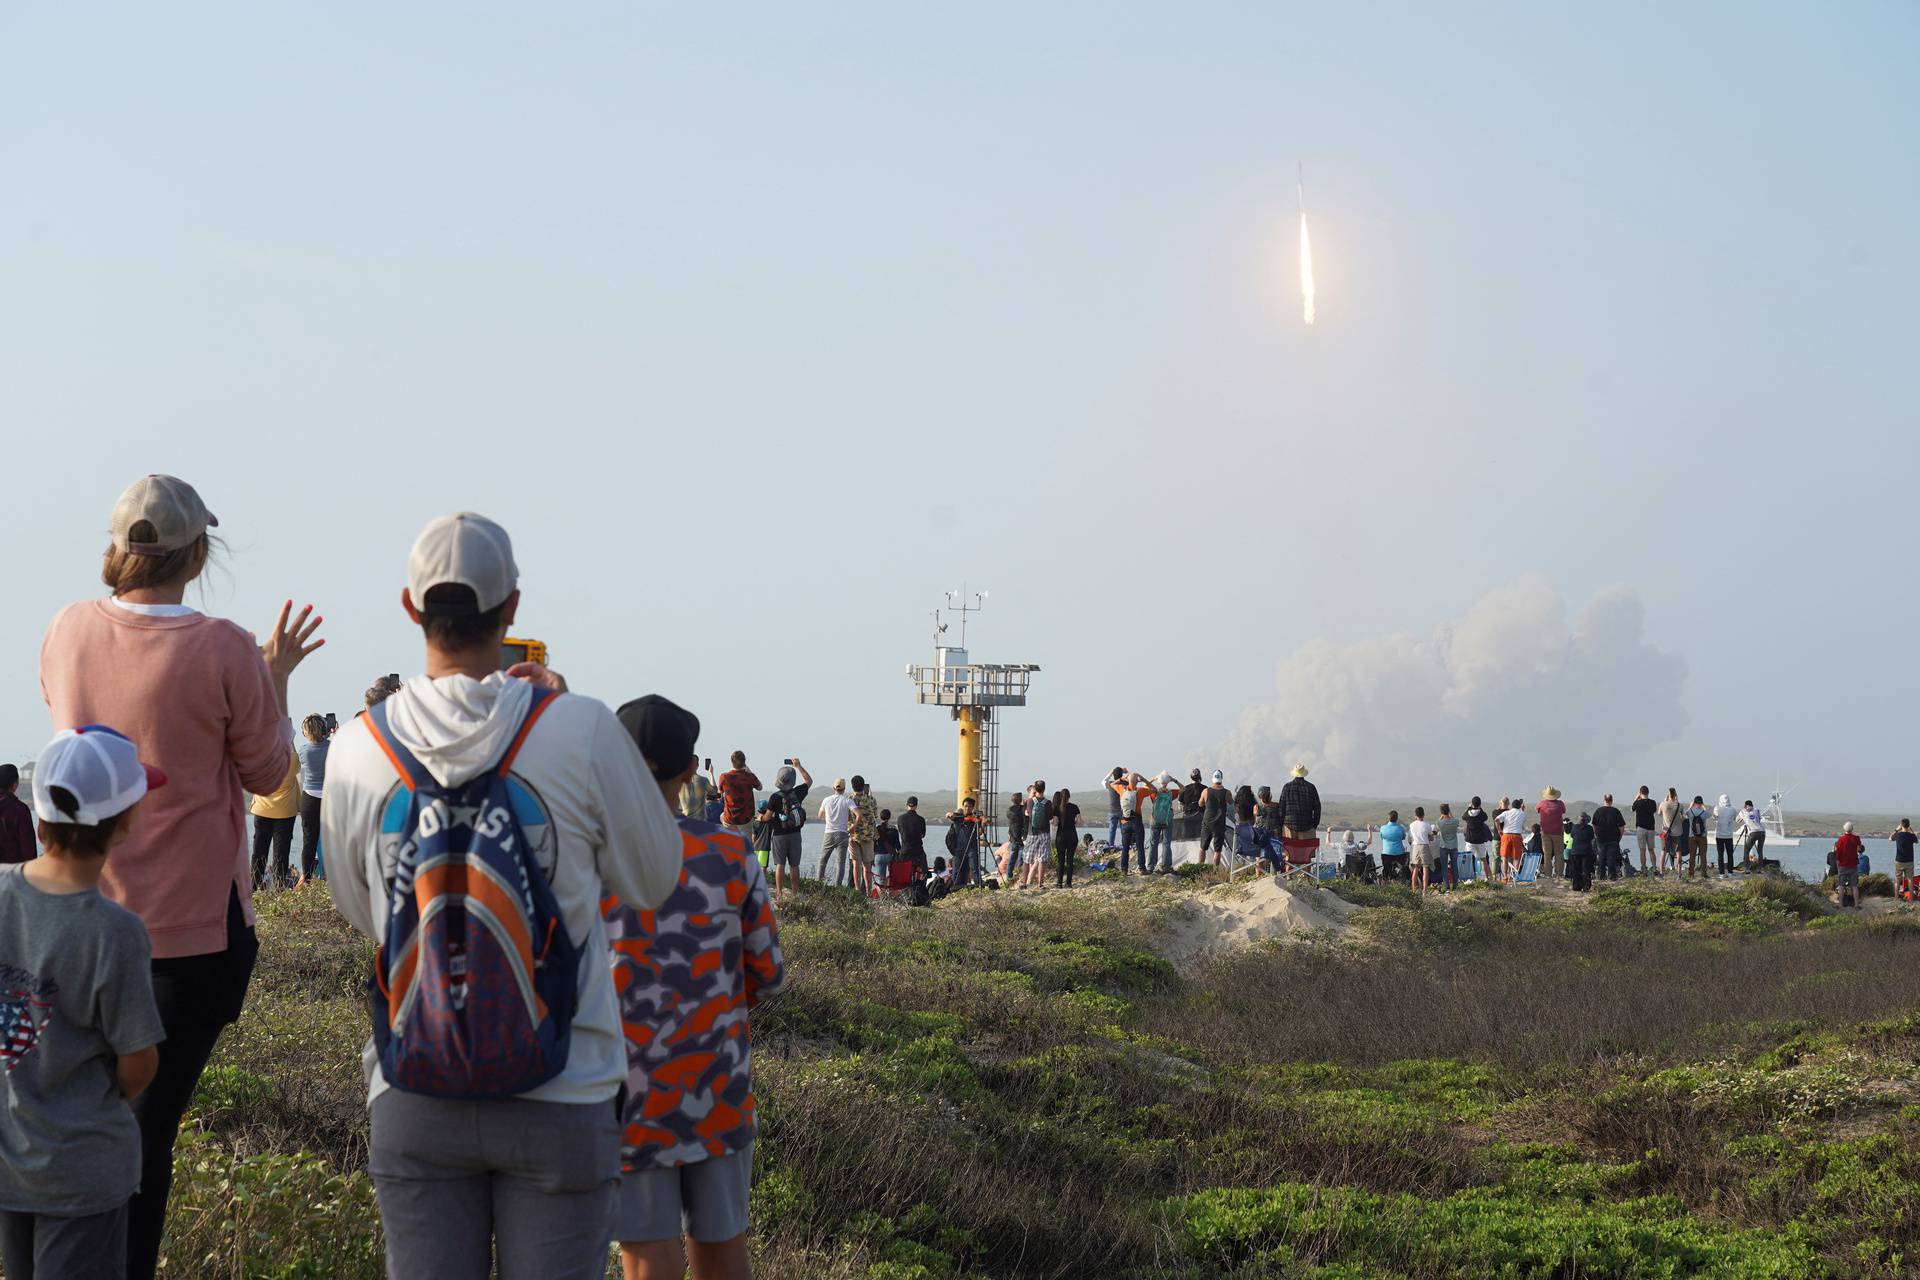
[
  {"x": 538, "y": 675},
  {"x": 287, "y": 647}
]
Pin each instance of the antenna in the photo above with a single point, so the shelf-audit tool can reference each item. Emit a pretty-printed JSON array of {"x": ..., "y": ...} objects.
[
  {"x": 963, "y": 608},
  {"x": 972, "y": 692}
]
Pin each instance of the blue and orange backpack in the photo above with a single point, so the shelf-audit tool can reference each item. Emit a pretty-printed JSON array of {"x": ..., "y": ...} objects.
[{"x": 475, "y": 985}]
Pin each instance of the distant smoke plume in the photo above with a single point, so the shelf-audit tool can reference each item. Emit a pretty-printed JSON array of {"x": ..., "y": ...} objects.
[{"x": 1507, "y": 696}]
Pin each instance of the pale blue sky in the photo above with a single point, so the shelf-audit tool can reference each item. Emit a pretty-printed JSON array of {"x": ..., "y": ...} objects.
[{"x": 759, "y": 326}]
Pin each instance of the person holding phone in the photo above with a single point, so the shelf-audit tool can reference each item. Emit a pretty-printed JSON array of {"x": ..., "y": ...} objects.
[{"x": 313, "y": 779}]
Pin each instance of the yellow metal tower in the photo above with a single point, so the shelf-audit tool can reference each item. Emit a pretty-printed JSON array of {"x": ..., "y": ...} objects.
[{"x": 972, "y": 690}]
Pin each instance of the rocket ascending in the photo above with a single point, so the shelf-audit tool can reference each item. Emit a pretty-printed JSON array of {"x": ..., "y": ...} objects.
[{"x": 1306, "y": 251}]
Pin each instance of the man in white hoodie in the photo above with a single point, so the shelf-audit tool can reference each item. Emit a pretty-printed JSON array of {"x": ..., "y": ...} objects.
[
  {"x": 1724, "y": 815},
  {"x": 527, "y": 1180}
]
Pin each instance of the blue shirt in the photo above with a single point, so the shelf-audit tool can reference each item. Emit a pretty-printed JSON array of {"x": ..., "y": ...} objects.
[
  {"x": 1393, "y": 840},
  {"x": 313, "y": 765}
]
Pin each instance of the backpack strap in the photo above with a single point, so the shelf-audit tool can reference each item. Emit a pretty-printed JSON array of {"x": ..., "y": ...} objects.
[
  {"x": 411, "y": 771},
  {"x": 542, "y": 699}
]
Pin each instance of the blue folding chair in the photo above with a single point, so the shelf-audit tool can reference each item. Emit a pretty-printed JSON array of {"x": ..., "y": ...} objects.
[
  {"x": 1529, "y": 870},
  {"x": 1249, "y": 846}
]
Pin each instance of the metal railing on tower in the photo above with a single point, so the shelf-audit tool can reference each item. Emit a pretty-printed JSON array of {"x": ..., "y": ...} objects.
[{"x": 972, "y": 691}]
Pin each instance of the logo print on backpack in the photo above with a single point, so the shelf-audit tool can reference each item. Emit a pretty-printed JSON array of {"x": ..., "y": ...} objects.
[{"x": 475, "y": 984}]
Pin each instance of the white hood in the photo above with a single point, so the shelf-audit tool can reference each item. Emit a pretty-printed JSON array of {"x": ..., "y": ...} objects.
[{"x": 458, "y": 726}]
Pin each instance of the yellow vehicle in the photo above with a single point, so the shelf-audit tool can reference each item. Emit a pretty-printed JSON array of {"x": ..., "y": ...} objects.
[{"x": 512, "y": 651}]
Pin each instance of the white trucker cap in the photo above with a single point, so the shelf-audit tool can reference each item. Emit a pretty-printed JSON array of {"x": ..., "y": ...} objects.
[
  {"x": 464, "y": 550},
  {"x": 99, "y": 767},
  {"x": 170, "y": 505}
]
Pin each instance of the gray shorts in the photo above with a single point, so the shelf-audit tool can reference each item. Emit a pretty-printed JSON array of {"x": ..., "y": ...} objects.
[
  {"x": 786, "y": 850},
  {"x": 1034, "y": 852},
  {"x": 45, "y": 1245},
  {"x": 707, "y": 1201},
  {"x": 863, "y": 852},
  {"x": 466, "y": 1186}
]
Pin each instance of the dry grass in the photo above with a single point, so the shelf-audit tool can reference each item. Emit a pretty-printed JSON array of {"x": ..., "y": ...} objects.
[{"x": 1019, "y": 1086}]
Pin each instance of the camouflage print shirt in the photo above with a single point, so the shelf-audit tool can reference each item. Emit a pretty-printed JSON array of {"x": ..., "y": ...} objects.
[
  {"x": 686, "y": 973},
  {"x": 866, "y": 818}
]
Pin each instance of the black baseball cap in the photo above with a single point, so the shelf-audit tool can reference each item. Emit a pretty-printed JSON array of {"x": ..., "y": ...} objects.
[{"x": 664, "y": 731}]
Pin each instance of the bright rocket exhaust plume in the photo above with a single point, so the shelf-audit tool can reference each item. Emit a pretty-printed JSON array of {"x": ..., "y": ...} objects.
[{"x": 1306, "y": 256}]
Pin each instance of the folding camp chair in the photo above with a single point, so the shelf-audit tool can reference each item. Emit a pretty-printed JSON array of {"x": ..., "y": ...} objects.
[
  {"x": 1529, "y": 870},
  {"x": 1356, "y": 863},
  {"x": 1300, "y": 853},
  {"x": 1248, "y": 849},
  {"x": 899, "y": 876}
]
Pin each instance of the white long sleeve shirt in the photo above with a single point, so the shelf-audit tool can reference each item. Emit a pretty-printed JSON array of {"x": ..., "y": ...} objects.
[{"x": 606, "y": 829}]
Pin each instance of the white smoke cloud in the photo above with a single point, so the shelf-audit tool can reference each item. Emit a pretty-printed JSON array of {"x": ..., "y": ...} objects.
[{"x": 1508, "y": 695}]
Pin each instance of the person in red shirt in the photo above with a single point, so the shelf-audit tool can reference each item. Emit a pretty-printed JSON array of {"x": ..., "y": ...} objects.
[
  {"x": 737, "y": 786},
  {"x": 1553, "y": 823},
  {"x": 1846, "y": 862}
]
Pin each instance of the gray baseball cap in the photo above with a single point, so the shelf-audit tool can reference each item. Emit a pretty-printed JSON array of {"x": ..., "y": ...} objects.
[
  {"x": 465, "y": 550},
  {"x": 170, "y": 505}
]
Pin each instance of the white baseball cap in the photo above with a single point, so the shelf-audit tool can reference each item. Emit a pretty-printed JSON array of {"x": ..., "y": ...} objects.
[
  {"x": 464, "y": 550},
  {"x": 99, "y": 767},
  {"x": 170, "y": 505}
]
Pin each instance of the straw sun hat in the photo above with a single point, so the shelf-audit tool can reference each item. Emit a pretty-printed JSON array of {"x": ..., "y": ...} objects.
[{"x": 1550, "y": 793}]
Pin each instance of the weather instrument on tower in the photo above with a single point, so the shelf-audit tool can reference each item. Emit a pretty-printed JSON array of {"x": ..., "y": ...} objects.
[{"x": 973, "y": 691}]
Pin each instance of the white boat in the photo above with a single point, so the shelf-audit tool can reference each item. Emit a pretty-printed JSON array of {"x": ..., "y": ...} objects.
[{"x": 1775, "y": 822}]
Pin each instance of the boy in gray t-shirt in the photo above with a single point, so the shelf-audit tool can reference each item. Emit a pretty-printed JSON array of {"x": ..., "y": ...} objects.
[{"x": 78, "y": 1024}]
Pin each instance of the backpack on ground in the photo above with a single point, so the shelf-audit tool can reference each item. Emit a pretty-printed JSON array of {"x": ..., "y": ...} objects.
[
  {"x": 917, "y": 895},
  {"x": 938, "y": 887},
  {"x": 476, "y": 980}
]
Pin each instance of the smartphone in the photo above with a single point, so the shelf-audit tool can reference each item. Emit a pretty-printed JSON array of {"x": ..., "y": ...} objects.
[
  {"x": 333, "y": 722},
  {"x": 788, "y": 760},
  {"x": 709, "y": 764}
]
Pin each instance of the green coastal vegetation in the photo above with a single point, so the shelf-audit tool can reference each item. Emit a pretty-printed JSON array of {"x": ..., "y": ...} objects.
[{"x": 1657, "y": 1082}]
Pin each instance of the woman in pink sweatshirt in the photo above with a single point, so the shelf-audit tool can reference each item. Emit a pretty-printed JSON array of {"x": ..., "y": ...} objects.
[{"x": 209, "y": 707}]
